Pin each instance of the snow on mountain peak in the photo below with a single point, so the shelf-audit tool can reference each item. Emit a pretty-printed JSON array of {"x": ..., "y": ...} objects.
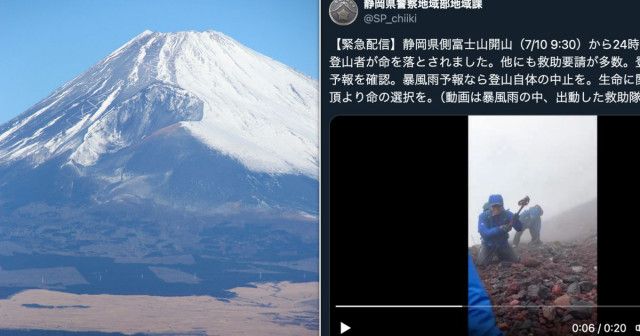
[{"x": 233, "y": 99}]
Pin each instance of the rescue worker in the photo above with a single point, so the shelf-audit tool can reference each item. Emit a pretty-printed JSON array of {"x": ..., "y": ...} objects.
[
  {"x": 481, "y": 319},
  {"x": 531, "y": 220},
  {"x": 494, "y": 226}
]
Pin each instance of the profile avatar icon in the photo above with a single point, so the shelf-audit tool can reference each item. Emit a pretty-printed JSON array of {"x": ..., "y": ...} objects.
[{"x": 343, "y": 12}]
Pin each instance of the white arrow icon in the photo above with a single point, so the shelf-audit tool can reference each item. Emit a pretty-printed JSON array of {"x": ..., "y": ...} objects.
[{"x": 344, "y": 328}]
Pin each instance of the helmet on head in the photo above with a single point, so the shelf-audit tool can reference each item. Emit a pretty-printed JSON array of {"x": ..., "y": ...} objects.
[{"x": 496, "y": 200}]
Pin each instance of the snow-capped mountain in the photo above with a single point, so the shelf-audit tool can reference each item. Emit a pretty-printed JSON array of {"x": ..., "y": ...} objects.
[
  {"x": 234, "y": 100},
  {"x": 188, "y": 119}
]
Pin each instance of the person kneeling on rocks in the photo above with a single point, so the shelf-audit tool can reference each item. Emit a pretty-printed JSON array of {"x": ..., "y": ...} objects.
[
  {"x": 530, "y": 220},
  {"x": 494, "y": 226}
]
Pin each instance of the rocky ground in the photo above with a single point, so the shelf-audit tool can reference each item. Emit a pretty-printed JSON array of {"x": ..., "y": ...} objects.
[{"x": 553, "y": 286}]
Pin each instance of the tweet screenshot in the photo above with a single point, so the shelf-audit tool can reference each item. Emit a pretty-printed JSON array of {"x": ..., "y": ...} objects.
[
  {"x": 319, "y": 167},
  {"x": 474, "y": 167}
]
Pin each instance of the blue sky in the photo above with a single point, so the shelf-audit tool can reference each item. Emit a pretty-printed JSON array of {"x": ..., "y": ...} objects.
[{"x": 45, "y": 43}]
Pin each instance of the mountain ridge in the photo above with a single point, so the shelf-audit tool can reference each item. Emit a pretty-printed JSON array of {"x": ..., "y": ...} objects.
[
  {"x": 175, "y": 143},
  {"x": 201, "y": 64}
]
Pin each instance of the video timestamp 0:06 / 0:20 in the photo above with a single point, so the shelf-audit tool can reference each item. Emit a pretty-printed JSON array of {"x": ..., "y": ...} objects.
[{"x": 605, "y": 328}]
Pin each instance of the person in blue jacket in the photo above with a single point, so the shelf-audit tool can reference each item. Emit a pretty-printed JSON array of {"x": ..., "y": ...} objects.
[
  {"x": 481, "y": 320},
  {"x": 531, "y": 220},
  {"x": 494, "y": 226}
]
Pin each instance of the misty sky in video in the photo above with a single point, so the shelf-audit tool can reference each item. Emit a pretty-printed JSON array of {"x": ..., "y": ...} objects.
[{"x": 552, "y": 159}]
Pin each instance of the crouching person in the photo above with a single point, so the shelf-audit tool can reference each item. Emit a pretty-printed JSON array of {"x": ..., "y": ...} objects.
[
  {"x": 494, "y": 226},
  {"x": 530, "y": 220}
]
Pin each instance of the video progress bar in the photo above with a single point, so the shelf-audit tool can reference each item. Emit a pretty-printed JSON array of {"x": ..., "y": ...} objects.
[
  {"x": 399, "y": 306},
  {"x": 465, "y": 306}
]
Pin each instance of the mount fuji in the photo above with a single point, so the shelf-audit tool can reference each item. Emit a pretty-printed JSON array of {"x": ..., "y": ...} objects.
[{"x": 185, "y": 143}]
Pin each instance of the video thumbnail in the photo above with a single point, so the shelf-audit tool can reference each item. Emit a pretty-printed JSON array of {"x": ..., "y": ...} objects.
[{"x": 532, "y": 224}]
